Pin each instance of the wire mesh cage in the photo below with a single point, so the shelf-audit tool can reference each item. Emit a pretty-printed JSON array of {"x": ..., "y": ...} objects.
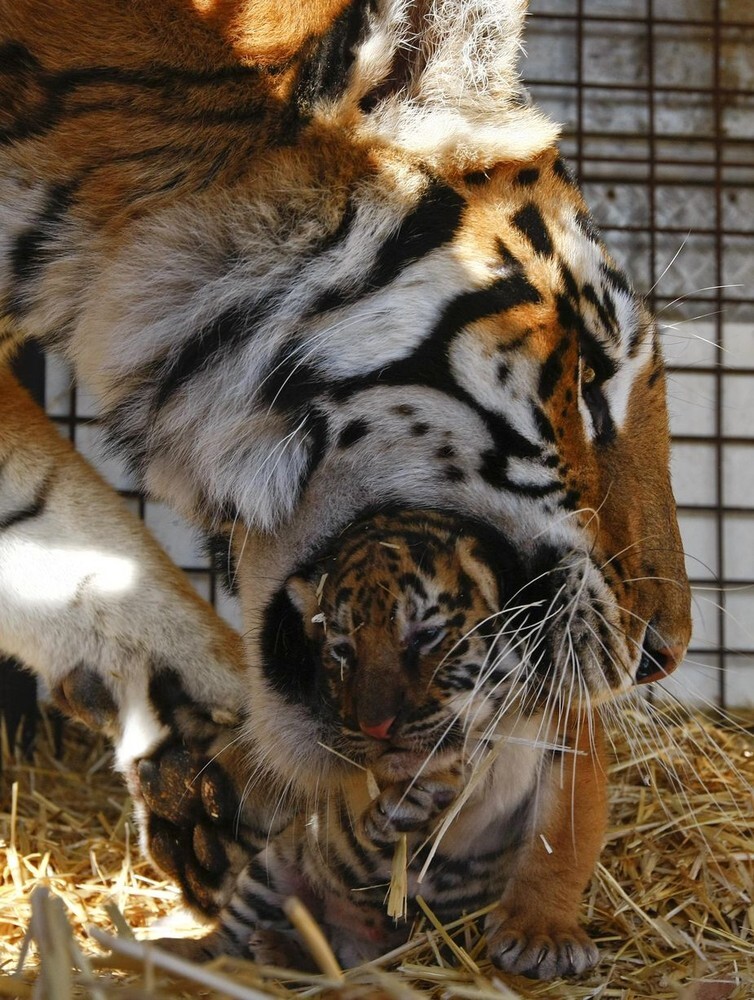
[
  {"x": 657, "y": 101},
  {"x": 657, "y": 97}
]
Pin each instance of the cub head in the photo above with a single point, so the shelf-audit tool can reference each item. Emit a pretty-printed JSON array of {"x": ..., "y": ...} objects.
[{"x": 397, "y": 636}]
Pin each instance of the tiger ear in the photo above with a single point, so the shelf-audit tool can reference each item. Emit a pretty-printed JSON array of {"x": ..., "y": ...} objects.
[{"x": 438, "y": 78}]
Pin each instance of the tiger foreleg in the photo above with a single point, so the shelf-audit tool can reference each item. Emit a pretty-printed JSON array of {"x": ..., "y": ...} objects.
[
  {"x": 206, "y": 811},
  {"x": 93, "y": 606},
  {"x": 534, "y": 931}
]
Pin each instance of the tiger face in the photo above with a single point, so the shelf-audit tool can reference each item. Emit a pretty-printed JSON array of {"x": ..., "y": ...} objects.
[
  {"x": 401, "y": 636},
  {"x": 534, "y": 400}
]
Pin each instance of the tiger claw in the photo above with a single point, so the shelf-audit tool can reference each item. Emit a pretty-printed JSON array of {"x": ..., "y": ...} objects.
[{"x": 538, "y": 948}]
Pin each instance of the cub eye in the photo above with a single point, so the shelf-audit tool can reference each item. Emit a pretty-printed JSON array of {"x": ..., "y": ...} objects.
[
  {"x": 425, "y": 638},
  {"x": 343, "y": 653}
]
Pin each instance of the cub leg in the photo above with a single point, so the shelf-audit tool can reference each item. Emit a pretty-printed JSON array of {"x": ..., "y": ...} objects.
[
  {"x": 254, "y": 924},
  {"x": 534, "y": 931},
  {"x": 93, "y": 606}
]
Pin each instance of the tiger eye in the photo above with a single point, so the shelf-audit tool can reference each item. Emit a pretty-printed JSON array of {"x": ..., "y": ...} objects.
[{"x": 588, "y": 374}]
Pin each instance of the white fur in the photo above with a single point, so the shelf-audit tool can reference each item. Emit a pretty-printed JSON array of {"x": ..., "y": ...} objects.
[{"x": 462, "y": 103}]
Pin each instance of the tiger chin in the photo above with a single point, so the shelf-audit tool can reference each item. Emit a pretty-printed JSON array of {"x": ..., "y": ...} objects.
[{"x": 411, "y": 655}]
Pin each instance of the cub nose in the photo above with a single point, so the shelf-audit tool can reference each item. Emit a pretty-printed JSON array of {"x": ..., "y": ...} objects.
[
  {"x": 378, "y": 731},
  {"x": 659, "y": 662}
]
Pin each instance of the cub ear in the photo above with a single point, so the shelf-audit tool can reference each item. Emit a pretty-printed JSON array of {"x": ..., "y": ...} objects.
[
  {"x": 472, "y": 561},
  {"x": 302, "y": 593},
  {"x": 289, "y": 656},
  {"x": 438, "y": 78}
]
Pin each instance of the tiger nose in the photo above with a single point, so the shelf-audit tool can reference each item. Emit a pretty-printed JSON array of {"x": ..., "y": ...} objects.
[
  {"x": 658, "y": 663},
  {"x": 379, "y": 731}
]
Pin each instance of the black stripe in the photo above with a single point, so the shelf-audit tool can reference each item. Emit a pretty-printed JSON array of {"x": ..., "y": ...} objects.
[
  {"x": 269, "y": 912},
  {"x": 449, "y": 910},
  {"x": 658, "y": 370},
  {"x": 591, "y": 296},
  {"x": 616, "y": 279},
  {"x": 644, "y": 327},
  {"x": 561, "y": 169},
  {"x": 508, "y": 258},
  {"x": 528, "y": 220},
  {"x": 552, "y": 370},
  {"x": 369, "y": 860},
  {"x": 572, "y": 287},
  {"x": 432, "y": 223},
  {"x": 36, "y": 100},
  {"x": 324, "y": 73},
  {"x": 592, "y": 350},
  {"x": 588, "y": 227},
  {"x": 223, "y": 334},
  {"x": 594, "y": 397},
  {"x": 33, "y": 509},
  {"x": 316, "y": 440},
  {"x": 32, "y": 246}
]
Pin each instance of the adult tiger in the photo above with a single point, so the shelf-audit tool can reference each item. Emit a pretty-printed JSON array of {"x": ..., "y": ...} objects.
[{"x": 313, "y": 260}]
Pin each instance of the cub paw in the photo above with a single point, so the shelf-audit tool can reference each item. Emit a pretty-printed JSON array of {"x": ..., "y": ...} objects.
[
  {"x": 408, "y": 806},
  {"x": 202, "y": 949},
  {"x": 266, "y": 947},
  {"x": 525, "y": 945}
]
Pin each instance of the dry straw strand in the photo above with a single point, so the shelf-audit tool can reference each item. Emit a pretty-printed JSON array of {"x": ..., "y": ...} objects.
[{"x": 676, "y": 883}]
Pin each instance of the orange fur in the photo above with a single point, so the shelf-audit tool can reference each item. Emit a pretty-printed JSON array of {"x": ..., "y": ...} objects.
[{"x": 545, "y": 891}]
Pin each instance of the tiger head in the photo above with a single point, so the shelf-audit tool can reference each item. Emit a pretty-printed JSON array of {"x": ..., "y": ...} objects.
[
  {"x": 532, "y": 399},
  {"x": 353, "y": 273},
  {"x": 446, "y": 329}
]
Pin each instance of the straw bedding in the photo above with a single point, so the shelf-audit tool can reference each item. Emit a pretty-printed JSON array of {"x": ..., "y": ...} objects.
[{"x": 671, "y": 903}]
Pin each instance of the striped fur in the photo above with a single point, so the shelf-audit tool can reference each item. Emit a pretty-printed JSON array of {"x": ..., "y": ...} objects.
[{"x": 315, "y": 261}]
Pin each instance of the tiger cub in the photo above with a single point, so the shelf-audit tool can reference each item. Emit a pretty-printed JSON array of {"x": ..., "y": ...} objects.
[{"x": 415, "y": 678}]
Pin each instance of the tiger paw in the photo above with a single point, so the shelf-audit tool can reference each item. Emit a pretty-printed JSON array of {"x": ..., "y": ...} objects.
[
  {"x": 200, "y": 822},
  {"x": 408, "y": 806},
  {"x": 179, "y": 834},
  {"x": 527, "y": 945}
]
